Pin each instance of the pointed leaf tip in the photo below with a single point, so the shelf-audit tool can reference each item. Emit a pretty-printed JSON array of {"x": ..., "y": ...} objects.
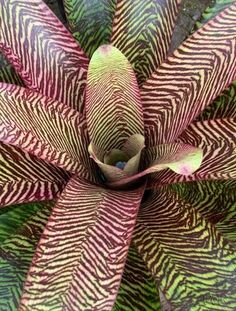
[{"x": 105, "y": 49}]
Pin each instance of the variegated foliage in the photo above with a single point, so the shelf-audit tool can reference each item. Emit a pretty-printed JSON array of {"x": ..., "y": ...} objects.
[{"x": 130, "y": 146}]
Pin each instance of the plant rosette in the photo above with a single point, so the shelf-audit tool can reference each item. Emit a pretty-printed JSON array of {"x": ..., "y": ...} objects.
[{"x": 104, "y": 122}]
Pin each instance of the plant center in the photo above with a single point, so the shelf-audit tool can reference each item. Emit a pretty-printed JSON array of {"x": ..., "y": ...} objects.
[{"x": 120, "y": 164}]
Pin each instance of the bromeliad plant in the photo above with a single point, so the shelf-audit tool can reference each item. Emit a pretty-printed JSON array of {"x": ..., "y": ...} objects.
[{"x": 110, "y": 130}]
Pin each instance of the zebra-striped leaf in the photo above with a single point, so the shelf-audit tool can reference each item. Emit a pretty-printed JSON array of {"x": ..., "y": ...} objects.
[
  {"x": 223, "y": 107},
  {"x": 42, "y": 51},
  {"x": 138, "y": 290},
  {"x": 181, "y": 158},
  {"x": 43, "y": 127},
  {"x": 217, "y": 138},
  {"x": 142, "y": 30},
  {"x": 215, "y": 201},
  {"x": 225, "y": 104},
  {"x": 90, "y": 22},
  {"x": 81, "y": 256},
  {"x": 190, "y": 79},
  {"x": 113, "y": 106},
  {"x": 24, "y": 178},
  {"x": 215, "y": 8},
  {"x": 21, "y": 227},
  {"x": 192, "y": 263}
]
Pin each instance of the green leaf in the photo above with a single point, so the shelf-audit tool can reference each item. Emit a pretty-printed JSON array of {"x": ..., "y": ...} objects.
[
  {"x": 20, "y": 229},
  {"x": 80, "y": 258},
  {"x": 45, "y": 128},
  {"x": 24, "y": 178},
  {"x": 138, "y": 290},
  {"x": 142, "y": 30},
  {"x": 223, "y": 107},
  {"x": 212, "y": 11},
  {"x": 113, "y": 106},
  {"x": 190, "y": 79},
  {"x": 13, "y": 218},
  {"x": 215, "y": 201},
  {"x": 43, "y": 52},
  {"x": 193, "y": 264},
  {"x": 90, "y": 22}
]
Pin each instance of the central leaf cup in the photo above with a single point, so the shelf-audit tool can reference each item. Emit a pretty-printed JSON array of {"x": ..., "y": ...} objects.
[{"x": 119, "y": 163}]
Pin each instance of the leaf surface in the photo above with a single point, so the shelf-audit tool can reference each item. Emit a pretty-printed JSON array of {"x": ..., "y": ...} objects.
[
  {"x": 181, "y": 158},
  {"x": 81, "y": 256},
  {"x": 42, "y": 51},
  {"x": 138, "y": 290},
  {"x": 217, "y": 138},
  {"x": 224, "y": 106},
  {"x": 192, "y": 263},
  {"x": 24, "y": 178},
  {"x": 113, "y": 106},
  {"x": 20, "y": 230},
  {"x": 190, "y": 79},
  {"x": 90, "y": 22},
  {"x": 142, "y": 30},
  {"x": 214, "y": 9},
  {"x": 215, "y": 201},
  {"x": 43, "y": 127}
]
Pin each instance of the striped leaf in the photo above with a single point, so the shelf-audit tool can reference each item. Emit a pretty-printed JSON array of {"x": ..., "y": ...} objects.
[
  {"x": 192, "y": 263},
  {"x": 90, "y": 22},
  {"x": 81, "y": 255},
  {"x": 180, "y": 158},
  {"x": 215, "y": 8},
  {"x": 43, "y": 127},
  {"x": 138, "y": 290},
  {"x": 113, "y": 106},
  {"x": 24, "y": 178},
  {"x": 20, "y": 229},
  {"x": 215, "y": 201},
  {"x": 142, "y": 30},
  {"x": 190, "y": 79},
  {"x": 225, "y": 104},
  {"x": 223, "y": 107},
  {"x": 217, "y": 138},
  {"x": 42, "y": 51}
]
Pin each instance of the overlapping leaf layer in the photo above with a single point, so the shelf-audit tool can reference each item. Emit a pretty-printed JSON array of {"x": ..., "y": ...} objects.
[
  {"x": 190, "y": 79},
  {"x": 192, "y": 263},
  {"x": 21, "y": 227}
]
